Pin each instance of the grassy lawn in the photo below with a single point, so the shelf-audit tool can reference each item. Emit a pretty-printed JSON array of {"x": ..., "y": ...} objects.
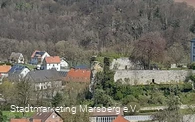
[
  {"x": 30, "y": 66},
  {"x": 187, "y": 98}
]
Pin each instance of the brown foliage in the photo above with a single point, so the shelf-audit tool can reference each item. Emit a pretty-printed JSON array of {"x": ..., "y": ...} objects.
[{"x": 149, "y": 47}]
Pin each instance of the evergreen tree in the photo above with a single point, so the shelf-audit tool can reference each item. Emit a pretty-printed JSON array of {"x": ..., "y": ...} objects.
[{"x": 56, "y": 100}]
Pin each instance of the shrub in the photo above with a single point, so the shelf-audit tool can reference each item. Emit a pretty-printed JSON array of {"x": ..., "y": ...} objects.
[
  {"x": 191, "y": 66},
  {"x": 128, "y": 99},
  {"x": 133, "y": 108}
]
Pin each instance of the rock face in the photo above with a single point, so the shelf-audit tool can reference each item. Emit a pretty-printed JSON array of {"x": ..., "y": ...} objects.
[{"x": 144, "y": 77}]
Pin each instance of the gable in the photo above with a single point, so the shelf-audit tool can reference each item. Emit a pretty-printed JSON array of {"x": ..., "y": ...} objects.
[
  {"x": 54, "y": 117},
  {"x": 120, "y": 119},
  {"x": 15, "y": 56}
]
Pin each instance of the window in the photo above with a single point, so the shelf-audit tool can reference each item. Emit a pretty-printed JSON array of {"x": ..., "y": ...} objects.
[{"x": 194, "y": 50}]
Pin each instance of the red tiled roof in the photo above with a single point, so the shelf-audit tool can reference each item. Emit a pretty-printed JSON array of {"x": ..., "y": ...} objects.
[
  {"x": 19, "y": 120},
  {"x": 4, "y": 68},
  {"x": 120, "y": 119},
  {"x": 37, "y": 120},
  {"x": 52, "y": 59},
  {"x": 78, "y": 75},
  {"x": 24, "y": 120}
]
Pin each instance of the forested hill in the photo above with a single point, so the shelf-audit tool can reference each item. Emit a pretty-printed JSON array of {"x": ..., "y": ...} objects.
[{"x": 78, "y": 29}]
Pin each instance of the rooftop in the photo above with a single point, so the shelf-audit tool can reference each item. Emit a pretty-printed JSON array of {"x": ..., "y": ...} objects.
[
  {"x": 78, "y": 75},
  {"x": 44, "y": 75},
  {"x": 52, "y": 59},
  {"x": 16, "y": 68},
  {"x": 120, "y": 119},
  {"x": 37, "y": 53},
  {"x": 5, "y": 68}
]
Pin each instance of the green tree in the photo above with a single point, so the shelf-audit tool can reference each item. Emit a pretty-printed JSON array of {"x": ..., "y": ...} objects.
[
  {"x": 79, "y": 116},
  {"x": 7, "y": 90},
  {"x": 57, "y": 99},
  {"x": 1, "y": 116},
  {"x": 172, "y": 112},
  {"x": 23, "y": 92},
  {"x": 102, "y": 99}
]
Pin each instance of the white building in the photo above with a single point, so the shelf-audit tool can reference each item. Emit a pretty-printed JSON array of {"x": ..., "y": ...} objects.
[
  {"x": 52, "y": 62},
  {"x": 24, "y": 72},
  {"x": 63, "y": 63}
]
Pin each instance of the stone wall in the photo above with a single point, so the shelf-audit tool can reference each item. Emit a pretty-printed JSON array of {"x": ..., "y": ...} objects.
[
  {"x": 124, "y": 63},
  {"x": 143, "y": 77}
]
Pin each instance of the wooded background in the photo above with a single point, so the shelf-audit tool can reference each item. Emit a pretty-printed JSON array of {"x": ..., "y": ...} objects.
[{"x": 78, "y": 29}]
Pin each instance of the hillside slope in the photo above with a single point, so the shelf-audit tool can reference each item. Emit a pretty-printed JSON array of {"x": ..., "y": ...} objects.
[{"x": 78, "y": 29}]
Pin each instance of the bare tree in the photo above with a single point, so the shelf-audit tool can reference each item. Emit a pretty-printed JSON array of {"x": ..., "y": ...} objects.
[{"x": 148, "y": 48}]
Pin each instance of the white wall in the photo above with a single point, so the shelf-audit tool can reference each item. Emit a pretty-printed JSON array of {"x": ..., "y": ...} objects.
[
  {"x": 21, "y": 59},
  {"x": 43, "y": 57},
  {"x": 48, "y": 85},
  {"x": 50, "y": 66},
  {"x": 24, "y": 72},
  {"x": 63, "y": 64}
]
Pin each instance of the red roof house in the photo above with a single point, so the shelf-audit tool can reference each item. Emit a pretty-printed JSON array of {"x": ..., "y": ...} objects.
[
  {"x": 52, "y": 59},
  {"x": 52, "y": 62},
  {"x": 78, "y": 75},
  {"x": 48, "y": 117},
  {"x": 4, "y": 68}
]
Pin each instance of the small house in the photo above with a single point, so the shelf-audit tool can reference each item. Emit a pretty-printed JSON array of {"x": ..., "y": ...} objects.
[
  {"x": 4, "y": 69},
  {"x": 17, "y": 72},
  {"x": 51, "y": 62},
  {"x": 16, "y": 58},
  {"x": 38, "y": 56}
]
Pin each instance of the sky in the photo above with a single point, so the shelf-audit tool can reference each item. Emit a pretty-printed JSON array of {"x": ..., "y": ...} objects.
[{"x": 190, "y": 2}]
